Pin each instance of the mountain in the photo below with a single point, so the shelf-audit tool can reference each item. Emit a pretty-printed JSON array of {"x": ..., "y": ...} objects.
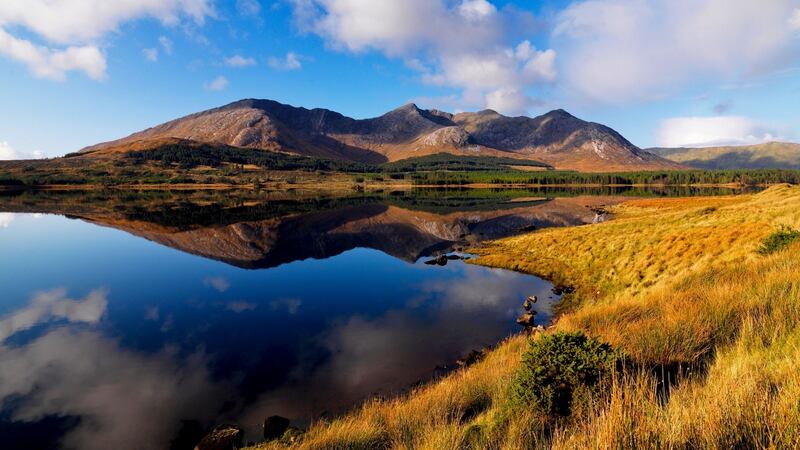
[
  {"x": 770, "y": 155},
  {"x": 268, "y": 232},
  {"x": 556, "y": 138}
]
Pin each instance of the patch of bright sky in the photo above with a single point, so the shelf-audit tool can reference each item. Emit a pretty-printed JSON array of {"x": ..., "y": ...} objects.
[{"x": 57, "y": 117}]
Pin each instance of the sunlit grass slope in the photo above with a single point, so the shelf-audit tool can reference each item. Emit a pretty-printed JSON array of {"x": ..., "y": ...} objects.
[{"x": 672, "y": 282}]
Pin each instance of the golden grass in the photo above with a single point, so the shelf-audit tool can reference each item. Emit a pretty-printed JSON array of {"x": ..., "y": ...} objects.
[{"x": 669, "y": 281}]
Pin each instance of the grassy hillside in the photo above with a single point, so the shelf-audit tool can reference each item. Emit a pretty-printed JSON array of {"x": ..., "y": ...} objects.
[
  {"x": 703, "y": 291},
  {"x": 771, "y": 155}
]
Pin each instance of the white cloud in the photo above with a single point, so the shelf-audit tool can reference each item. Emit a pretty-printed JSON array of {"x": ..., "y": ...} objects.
[
  {"x": 6, "y": 218},
  {"x": 72, "y": 372},
  {"x": 150, "y": 54},
  {"x": 54, "y": 305},
  {"x": 219, "y": 284},
  {"x": 217, "y": 84},
  {"x": 239, "y": 61},
  {"x": 291, "y": 305},
  {"x": 7, "y": 152},
  {"x": 240, "y": 306},
  {"x": 794, "y": 21},
  {"x": 80, "y": 27},
  {"x": 632, "y": 50},
  {"x": 251, "y": 8},
  {"x": 44, "y": 62},
  {"x": 166, "y": 44},
  {"x": 461, "y": 45},
  {"x": 70, "y": 21},
  {"x": 476, "y": 10},
  {"x": 290, "y": 62},
  {"x": 711, "y": 131}
]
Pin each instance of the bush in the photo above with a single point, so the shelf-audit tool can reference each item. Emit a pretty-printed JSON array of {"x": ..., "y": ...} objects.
[
  {"x": 779, "y": 240},
  {"x": 559, "y": 369}
]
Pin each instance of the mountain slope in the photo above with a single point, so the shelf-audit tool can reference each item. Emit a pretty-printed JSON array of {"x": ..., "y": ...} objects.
[
  {"x": 770, "y": 155},
  {"x": 556, "y": 138},
  {"x": 561, "y": 140}
]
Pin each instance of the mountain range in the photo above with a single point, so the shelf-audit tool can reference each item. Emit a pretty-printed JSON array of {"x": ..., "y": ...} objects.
[
  {"x": 556, "y": 138},
  {"x": 770, "y": 155}
]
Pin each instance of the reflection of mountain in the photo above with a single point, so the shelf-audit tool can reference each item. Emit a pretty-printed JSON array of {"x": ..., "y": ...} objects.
[{"x": 399, "y": 232}]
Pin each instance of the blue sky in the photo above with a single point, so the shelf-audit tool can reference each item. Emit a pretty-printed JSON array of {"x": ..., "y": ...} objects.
[{"x": 695, "y": 72}]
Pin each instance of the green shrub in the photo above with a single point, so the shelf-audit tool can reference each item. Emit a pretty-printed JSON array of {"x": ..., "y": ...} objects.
[
  {"x": 779, "y": 240},
  {"x": 562, "y": 368}
]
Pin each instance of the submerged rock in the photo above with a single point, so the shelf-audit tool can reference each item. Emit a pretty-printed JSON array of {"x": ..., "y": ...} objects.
[
  {"x": 275, "y": 426},
  {"x": 561, "y": 289},
  {"x": 222, "y": 437},
  {"x": 440, "y": 260},
  {"x": 527, "y": 319},
  {"x": 528, "y": 303}
]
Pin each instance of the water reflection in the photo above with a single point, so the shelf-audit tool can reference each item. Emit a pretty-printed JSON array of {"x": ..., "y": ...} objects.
[{"x": 142, "y": 340}]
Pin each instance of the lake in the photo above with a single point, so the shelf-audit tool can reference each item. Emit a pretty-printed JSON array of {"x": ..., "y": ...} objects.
[{"x": 136, "y": 320}]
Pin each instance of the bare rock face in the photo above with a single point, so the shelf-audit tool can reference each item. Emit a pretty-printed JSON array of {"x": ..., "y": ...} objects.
[
  {"x": 448, "y": 136},
  {"x": 556, "y": 138}
]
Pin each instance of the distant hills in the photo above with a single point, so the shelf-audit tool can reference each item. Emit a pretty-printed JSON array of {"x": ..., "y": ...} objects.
[
  {"x": 557, "y": 138},
  {"x": 771, "y": 155}
]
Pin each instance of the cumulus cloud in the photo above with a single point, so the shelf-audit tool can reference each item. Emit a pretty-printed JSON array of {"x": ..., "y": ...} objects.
[
  {"x": 239, "y": 61},
  {"x": 44, "y": 62},
  {"x": 6, "y": 218},
  {"x": 166, "y": 44},
  {"x": 460, "y": 45},
  {"x": 217, "y": 84},
  {"x": 54, "y": 305},
  {"x": 220, "y": 284},
  {"x": 240, "y": 306},
  {"x": 291, "y": 305},
  {"x": 290, "y": 62},
  {"x": 7, "y": 152},
  {"x": 248, "y": 8},
  {"x": 121, "y": 396},
  {"x": 77, "y": 29},
  {"x": 711, "y": 131},
  {"x": 632, "y": 50},
  {"x": 150, "y": 54},
  {"x": 794, "y": 21}
]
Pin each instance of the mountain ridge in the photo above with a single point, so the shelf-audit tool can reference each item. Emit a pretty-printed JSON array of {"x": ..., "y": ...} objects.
[
  {"x": 556, "y": 138},
  {"x": 767, "y": 155}
]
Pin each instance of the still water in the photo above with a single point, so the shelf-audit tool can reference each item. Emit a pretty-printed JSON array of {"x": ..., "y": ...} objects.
[{"x": 136, "y": 320}]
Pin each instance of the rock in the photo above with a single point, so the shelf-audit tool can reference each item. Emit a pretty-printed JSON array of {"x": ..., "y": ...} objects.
[
  {"x": 527, "y": 305},
  {"x": 560, "y": 289},
  {"x": 453, "y": 257},
  {"x": 440, "y": 260},
  {"x": 528, "y": 228},
  {"x": 275, "y": 426},
  {"x": 526, "y": 319},
  {"x": 222, "y": 437},
  {"x": 533, "y": 299}
]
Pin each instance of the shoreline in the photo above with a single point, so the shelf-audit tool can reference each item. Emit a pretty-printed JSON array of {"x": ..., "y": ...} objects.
[
  {"x": 356, "y": 187},
  {"x": 674, "y": 282}
]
